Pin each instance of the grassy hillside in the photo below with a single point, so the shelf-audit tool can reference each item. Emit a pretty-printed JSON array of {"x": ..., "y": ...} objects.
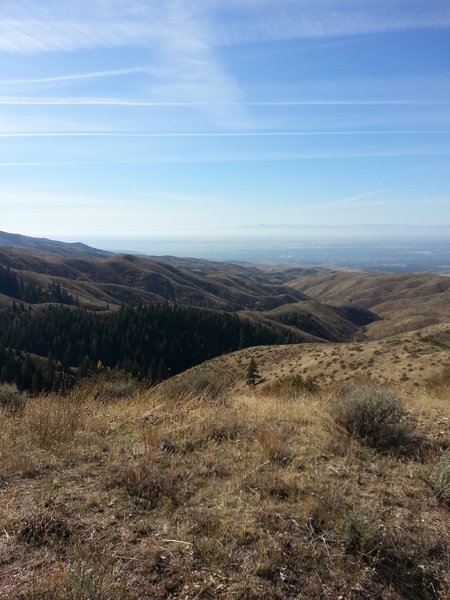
[
  {"x": 132, "y": 279},
  {"x": 332, "y": 323},
  {"x": 409, "y": 358},
  {"x": 404, "y": 302},
  {"x": 200, "y": 488}
]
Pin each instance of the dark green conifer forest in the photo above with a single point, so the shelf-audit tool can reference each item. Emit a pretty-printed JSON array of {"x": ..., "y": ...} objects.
[{"x": 48, "y": 348}]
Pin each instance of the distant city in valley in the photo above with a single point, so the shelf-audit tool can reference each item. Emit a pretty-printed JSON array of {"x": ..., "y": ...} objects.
[{"x": 387, "y": 249}]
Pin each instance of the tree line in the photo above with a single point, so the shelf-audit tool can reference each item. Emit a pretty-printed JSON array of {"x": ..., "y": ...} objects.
[
  {"x": 150, "y": 342},
  {"x": 15, "y": 287}
]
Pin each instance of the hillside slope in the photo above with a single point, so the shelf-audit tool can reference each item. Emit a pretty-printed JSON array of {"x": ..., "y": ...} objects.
[
  {"x": 46, "y": 247},
  {"x": 105, "y": 283},
  {"x": 408, "y": 359},
  {"x": 404, "y": 302}
]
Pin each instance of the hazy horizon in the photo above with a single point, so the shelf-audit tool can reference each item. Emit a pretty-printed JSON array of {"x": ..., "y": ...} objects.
[{"x": 391, "y": 249}]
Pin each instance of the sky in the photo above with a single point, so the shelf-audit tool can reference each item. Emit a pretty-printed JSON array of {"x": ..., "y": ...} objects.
[{"x": 152, "y": 117}]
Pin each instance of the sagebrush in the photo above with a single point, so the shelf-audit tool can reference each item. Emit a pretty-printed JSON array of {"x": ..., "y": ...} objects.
[{"x": 375, "y": 415}]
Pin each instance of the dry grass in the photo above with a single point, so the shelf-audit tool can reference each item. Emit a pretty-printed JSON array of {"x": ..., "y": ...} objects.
[
  {"x": 187, "y": 492},
  {"x": 110, "y": 386},
  {"x": 198, "y": 383},
  {"x": 408, "y": 359},
  {"x": 292, "y": 386},
  {"x": 439, "y": 383}
]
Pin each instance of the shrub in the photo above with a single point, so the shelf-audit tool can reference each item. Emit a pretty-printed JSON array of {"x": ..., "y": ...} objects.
[
  {"x": 362, "y": 532},
  {"x": 374, "y": 415},
  {"x": 145, "y": 481},
  {"x": 440, "y": 478},
  {"x": 45, "y": 527},
  {"x": 11, "y": 399}
]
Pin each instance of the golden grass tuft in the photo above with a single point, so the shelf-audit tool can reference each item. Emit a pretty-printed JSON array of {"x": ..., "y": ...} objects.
[
  {"x": 273, "y": 441},
  {"x": 439, "y": 383},
  {"x": 51, "y": 421}
]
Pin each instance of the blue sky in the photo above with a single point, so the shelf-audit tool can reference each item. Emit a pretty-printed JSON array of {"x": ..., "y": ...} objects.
[{"x": 142, "y": 117}]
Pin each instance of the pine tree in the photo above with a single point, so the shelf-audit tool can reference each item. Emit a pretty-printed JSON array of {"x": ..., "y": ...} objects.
[
  {"x": 252, "y": 373},
  {"x": 162, "y": 370}
]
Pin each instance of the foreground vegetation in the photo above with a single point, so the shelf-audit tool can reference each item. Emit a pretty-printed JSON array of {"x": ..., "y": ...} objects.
[{"x": 193, "y": 490}]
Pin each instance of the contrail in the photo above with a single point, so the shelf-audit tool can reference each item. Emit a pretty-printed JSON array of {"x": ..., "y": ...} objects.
[
  {"x": 206, "y": 159},
  {"x": 12, "y": 101},
  {"x": 200, "y": 134},
  {"x": 75, "y": 77}
]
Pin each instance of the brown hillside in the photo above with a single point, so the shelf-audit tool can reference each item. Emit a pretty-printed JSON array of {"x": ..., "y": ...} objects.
[
  {"x": 404, "y": 302},
  {"x": 408, "y": 359}
]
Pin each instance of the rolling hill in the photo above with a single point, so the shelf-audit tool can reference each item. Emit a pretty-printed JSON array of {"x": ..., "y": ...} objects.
[
  {"x": 44, "y": 246},
  {"x": 404, "y": 302}
]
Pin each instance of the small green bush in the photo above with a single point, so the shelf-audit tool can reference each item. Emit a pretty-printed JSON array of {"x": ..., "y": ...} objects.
[
  {"x": 374, "y": 415},
  {"x": 440, "y": 477},
  {"x": 11, "y": 399}
]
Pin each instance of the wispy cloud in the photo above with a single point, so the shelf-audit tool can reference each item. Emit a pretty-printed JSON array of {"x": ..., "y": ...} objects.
[
  {"x": 363, "y": 196},
  {"x": 29, "y": 196},
  {"x": 231, "y": 158},
  {"x": 182, "y": 38},
  {"x": 30, "y": 27},
  {"x": 265, "y": 20},
  {"x": 186, "y": 65}
]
